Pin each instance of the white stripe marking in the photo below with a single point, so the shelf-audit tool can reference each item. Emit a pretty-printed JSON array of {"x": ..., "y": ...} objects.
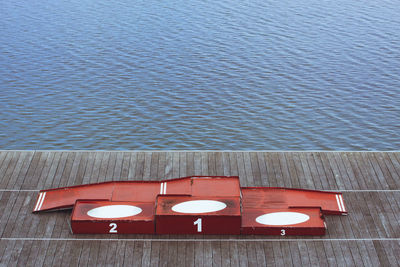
[
  {"x": 199, "y": 240},
  {"x": 38, "y": 201},
  {"x": 165, "y": 188},
  {"x": 341, "y": 202},
  {"x": 338, "y": 203},
  {"x": 161, "y": 188},
  {"x": 41, "y": 202}
]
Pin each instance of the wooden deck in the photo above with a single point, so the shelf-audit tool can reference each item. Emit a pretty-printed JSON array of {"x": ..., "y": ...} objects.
[{"x": 368, "y": 236}]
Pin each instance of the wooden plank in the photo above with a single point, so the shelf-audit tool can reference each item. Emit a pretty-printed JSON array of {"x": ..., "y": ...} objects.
[
  {"x": 329, "y": 158},
  {"x": 118, "y": 167},
  {"x": 9, "y": 157},
  {"x": 211, "y": 164},
  {"x": 233, "y": 164},
  {"x": 365, "y": 259},
  {"x": 312, "y": 253},
  {"x": 3, "y": 156},
  {"x": 322, "y": 173},
  {"x": 7, "y": 252},
  {"x": 226, "y": 164},
  {"x": 251, "y": 254},
  {"x": 248, "y": 169},
  {"x": 291, "y": 169},
  {"x": 7, "y": 247},
  {"x": 313, "y": 171},
  {"x": 190, "y": 168},
  {"x": 260, "y": 254},
  {"x": 381, "y": 252},
  {"x": 372, "y": 253},
  {"x": 199, "y": 254},
  {"x": 14, "y": 166},
  {"x": 162, "y": 161},
  {"x": 110, "y": 167},
  {"x": 119, "y": 254},
  {"x": 29, "y": 180},
  {"x": 384, "y": 169},
  {"x": 181, "y": 251},
  {"x": 14, "y": 215},
  {"x": 125, "y": 166},
  {"x": 304, "y": 257},
  {"x": 241, "y": 169},
  {"x": 219, "y": 164},
  {"x": 173, "y": 254},
  {"x": 304, "y": 181},
  {"x": 347, "y": 254},
  {"x": 391, "y": 169},
  {"x": 175, "y": 165},
  {"x": 243, "y": 261},
  {"x": 147, "y": 166},
  {"x": 346, "y": 171},
  {"x": 391, "y": 218},
  {"x": 321, "y": 254},
  {"x": 271, "y": 172},
  {"x": 269, "y": 254},
  {"x": 381, "y": 177},
  {"x": 21, "y": 173},
  {"x": 139, "y": 170},
  {"x": 328, "y": 170},
  {"x": 356, "y": 170},
  {"x": 234, "y": 253},
  {"x": 190, "y": 254},
  {"x": 255, "y": 169},
  {"x": 154, "y": 166},
  {"x": 132, "y": 166},
  {"x": 146, "y": 253},
  {"x": 155, "y": 253},
  {"x": 394, "y": 161},
  {"x": 74, "y": 169},
  {"x": 330, "y": 254},
  {"x": 225, "y": 254},
  {"x": 216, "y": 254},
  {"x": 129, "y": 255},
  {"x": 197, "y": 163},
  {"x": 182, "y": 165},
  {"x": 368, "y": 171},
  {"x": 89, "y": 168},
  {"x": 309, "y": 181},
  {"x": 263, "y": 169}
]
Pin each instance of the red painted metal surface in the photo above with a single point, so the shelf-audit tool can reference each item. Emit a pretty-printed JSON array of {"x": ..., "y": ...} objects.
[
  {"x": 193, "y": 205},
  {"x": 198, "y": 215},
  {"x": 275, "y": 197},
  {"x": 112, "y": 217},
  {"x": 292, "y": 221}
]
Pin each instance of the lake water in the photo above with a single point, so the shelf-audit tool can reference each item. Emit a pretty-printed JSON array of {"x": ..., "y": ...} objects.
[{"x": 246, "y": 75}]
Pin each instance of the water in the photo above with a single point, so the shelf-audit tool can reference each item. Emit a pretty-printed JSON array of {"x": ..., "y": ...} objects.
[{"x": 279, "y": 75}]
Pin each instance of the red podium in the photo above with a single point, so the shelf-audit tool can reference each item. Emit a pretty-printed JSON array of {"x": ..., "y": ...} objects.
[
  {"x": 192, "y": 205},
  {"x": 198, "y": 215},
  {"x": 117, "y": 217}
]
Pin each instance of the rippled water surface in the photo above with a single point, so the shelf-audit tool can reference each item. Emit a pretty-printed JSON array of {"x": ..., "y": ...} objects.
[{"x": 225, "y": 74}]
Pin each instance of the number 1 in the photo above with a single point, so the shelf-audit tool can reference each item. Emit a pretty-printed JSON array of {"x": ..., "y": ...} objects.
[{"x": 198, "y": 223}]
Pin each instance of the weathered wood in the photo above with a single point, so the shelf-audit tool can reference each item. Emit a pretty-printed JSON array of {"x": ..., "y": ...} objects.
[{"x": 369, "y": 236}]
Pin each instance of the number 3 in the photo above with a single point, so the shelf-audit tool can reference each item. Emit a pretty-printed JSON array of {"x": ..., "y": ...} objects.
[
  {"x": 113, "y": 228},
  {"x": 283, "y": 232}
]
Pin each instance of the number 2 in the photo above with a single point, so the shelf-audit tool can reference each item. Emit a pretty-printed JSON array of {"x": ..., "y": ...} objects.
[
  {"x": 113, "y": 228},
  {"x": 198, "y": 223}
]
